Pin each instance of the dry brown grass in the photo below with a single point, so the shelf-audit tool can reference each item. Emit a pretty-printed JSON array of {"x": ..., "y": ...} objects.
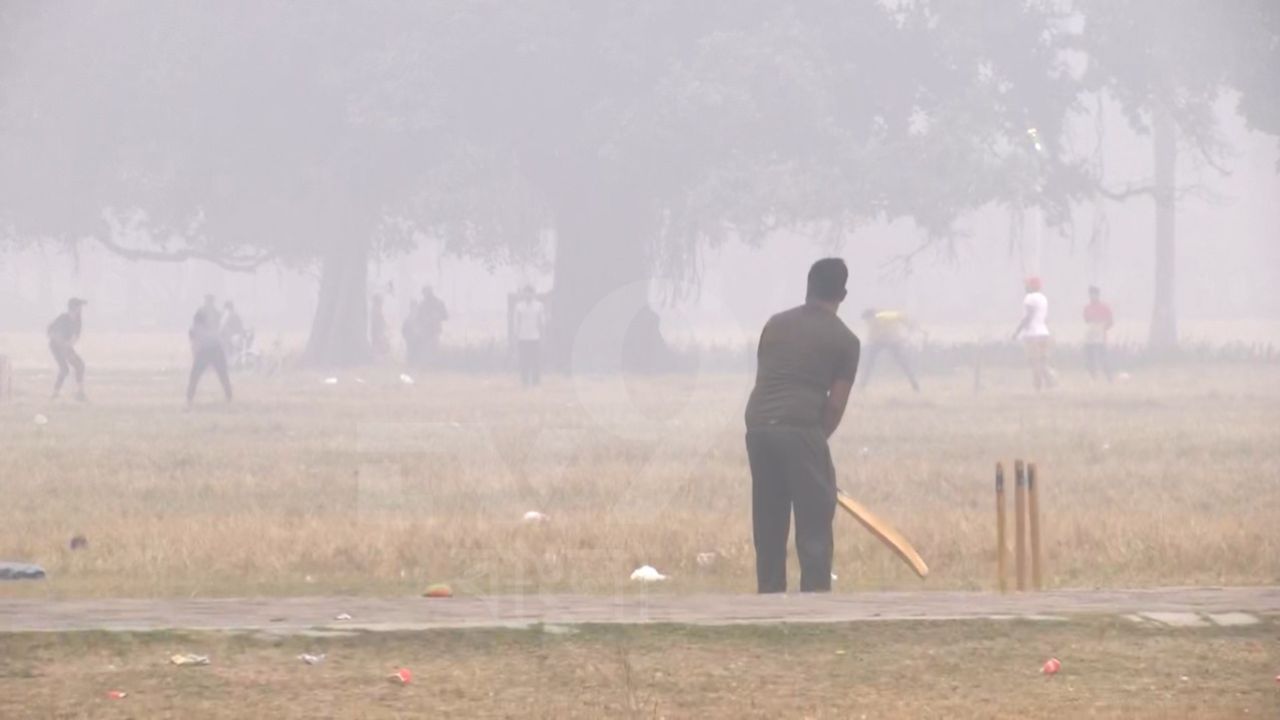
[
  {"x": 379, "y": 488},
  {"x": 984, "y": 669}
]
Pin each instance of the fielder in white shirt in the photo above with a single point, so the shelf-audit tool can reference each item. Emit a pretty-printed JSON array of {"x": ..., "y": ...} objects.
[
  {"x": 1034, "y": 332},
  {"x": 528, "y": 322}
]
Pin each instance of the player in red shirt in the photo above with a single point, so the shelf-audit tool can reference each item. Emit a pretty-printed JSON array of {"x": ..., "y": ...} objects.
[{"x": 1098, "y": 321}]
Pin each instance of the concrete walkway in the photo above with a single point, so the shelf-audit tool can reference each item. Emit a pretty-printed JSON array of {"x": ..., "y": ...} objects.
[{"x": 1171, "y": 606}]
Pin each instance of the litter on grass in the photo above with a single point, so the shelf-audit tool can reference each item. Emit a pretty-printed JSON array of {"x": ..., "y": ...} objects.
[
  {"x": 647, "y": 573},
  {"x": 189, "y": 659}
]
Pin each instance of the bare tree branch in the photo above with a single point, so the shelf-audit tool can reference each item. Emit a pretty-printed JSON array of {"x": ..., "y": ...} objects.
[
  {"x": 1126, "y": 193},
  {"x": 902, "y": 264},
  {"x": 1132, "y": 191},
  {"x": 1207, "y": 154},
  {"x": 232, "y": 262}
]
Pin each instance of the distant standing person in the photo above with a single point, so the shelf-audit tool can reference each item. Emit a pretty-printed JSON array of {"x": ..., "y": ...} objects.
[
  {"x": 887, "y": 331},
  {"x": 1034, "y": 332},
  {"x": 409, "y": 331},
  {"x": 806, "y": 364},
  {"x": 379, "y": 338},
  {"x": 431, "y": 316},
  {"x": 64, "y": 333},
  {"x": 1098, "y": 321},
  {"x": 235, "y": 336},
  {"x": 206, "y": 348},
  {"x": 528, "y": 321}
]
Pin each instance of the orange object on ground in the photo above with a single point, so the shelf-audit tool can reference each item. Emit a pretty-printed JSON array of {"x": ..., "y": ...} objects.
[{"x": 438, "y": 590}]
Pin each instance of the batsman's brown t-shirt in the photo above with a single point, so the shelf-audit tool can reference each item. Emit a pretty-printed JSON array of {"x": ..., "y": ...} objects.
[{"x": 802, "y": 352}]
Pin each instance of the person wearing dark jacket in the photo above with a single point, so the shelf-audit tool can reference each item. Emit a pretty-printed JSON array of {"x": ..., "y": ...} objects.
[
  {"x": 64, "y": 332},
  {"x": 206, "y": 348}
]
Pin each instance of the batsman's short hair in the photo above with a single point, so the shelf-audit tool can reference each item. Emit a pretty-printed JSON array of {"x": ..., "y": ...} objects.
[{"x": 827, "y": 280}]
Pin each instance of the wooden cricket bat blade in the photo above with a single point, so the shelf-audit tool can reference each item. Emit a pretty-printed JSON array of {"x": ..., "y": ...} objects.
[{"x": 884, "y": 531}]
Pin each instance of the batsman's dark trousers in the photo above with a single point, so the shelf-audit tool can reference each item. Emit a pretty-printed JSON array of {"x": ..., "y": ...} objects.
[
  {"x": 68, "y": 359},
  {"x": 202, "y": 359},
  {"x": 791, "y": 468}
]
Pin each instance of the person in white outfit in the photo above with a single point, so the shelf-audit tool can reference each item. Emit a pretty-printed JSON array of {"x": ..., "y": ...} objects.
[
  {"x": 528, "y": 321},
  {"x": 1034, "y": 332}
]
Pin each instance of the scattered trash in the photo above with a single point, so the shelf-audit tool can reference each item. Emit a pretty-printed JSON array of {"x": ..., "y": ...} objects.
[
  {"x": 342, "y": 616},
  {"x": 706, "y": 559},
  {"x": 559, "y": 630},
  {"x": 40, "y": 419},
  {"x": 403, "y": 676},
  {"x": 839, "y": 652},
  {"x": 79, "y": 542},
  {"x": 438, "y": 590},
  {"x": 406, "y": 379},
  {"x": 331, "y": 381},
  {"x": 1185, "y": 678},
  {"x": 117, "y": 694},
  {"x": 310, "y": 659},
  {"x": 647, "y": 573},
  {"x": 834, "y": 577},
  {"x": 360, "y": 381},
  {"x": 309, "y": 580},
  {"x": 189, "y": 659},
  {"x": 533, "y": 516},
  {"x": 20, "y": 571},
  {"x": 1051, "y": 667}
]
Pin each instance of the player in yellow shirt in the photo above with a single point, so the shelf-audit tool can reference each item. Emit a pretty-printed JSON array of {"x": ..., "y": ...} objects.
[{"x": 888, "y": 331}]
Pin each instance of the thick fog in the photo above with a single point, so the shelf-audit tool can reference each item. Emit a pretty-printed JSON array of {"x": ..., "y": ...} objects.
[{"x": 247, "y": 129}]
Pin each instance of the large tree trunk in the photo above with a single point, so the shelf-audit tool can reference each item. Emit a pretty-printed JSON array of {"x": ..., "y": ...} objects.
[
  {"x": 600, "y": 318},
  {"x": 340, "y": 330},
  {"x": 1164, "y": 316}
]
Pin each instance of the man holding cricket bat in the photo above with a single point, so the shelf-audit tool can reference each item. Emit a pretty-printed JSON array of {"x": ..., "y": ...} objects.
[{"x": 806, "y": 363}]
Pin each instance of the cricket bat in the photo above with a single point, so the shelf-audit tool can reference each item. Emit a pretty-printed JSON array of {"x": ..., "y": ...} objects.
[{"x": 884, "y": 532}]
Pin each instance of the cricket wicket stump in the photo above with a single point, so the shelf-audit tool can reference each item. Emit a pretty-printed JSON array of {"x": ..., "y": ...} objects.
[
  {"x": 1026, "y": 528},
  {"x": 1033, "y": 520},
  {"x": 1002, "y": 545},
  {"x": 1020, "y": 523}
]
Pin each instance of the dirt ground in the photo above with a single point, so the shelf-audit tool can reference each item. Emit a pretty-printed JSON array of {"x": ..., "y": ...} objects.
[{"x": 1111, "y": 668}]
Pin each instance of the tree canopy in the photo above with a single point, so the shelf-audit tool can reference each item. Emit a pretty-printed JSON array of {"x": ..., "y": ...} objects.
[{"x": 632, "y": 133}]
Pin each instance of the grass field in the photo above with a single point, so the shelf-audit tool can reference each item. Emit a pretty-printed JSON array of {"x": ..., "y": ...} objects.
[
  {"x": 379, "y": 487},
  {"x": 1111, "y": 668}
]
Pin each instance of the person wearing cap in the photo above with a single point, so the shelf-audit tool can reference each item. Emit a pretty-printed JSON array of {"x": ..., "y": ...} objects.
[
  {"x": 887, "y": 331},
  {"x": 1098, "y": 321},
  {"x": 64, "y": 333},
  {"x": 207, "y": 349},
  {"x": 806, "y": 363},
  {"x": 528, "y": 321},
  {"x": 1034, "y": 332}
]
